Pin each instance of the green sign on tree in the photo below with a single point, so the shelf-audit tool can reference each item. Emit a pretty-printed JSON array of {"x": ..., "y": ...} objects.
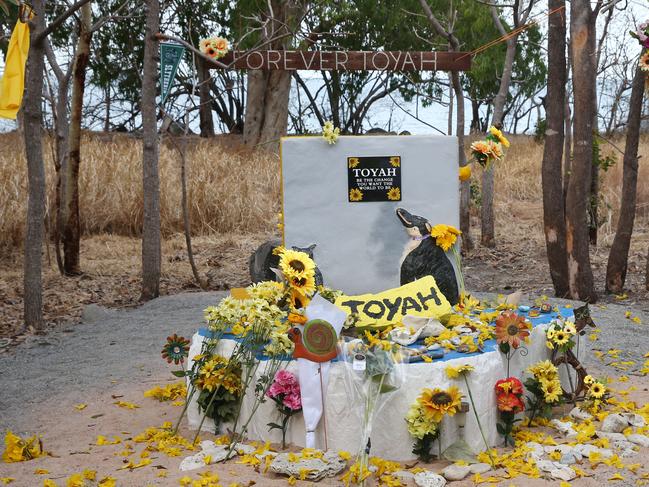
[{"x": 170, "y": 56}]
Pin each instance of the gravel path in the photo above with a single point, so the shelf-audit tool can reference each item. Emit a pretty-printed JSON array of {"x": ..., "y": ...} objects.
[{"x": 111, "y": 348}]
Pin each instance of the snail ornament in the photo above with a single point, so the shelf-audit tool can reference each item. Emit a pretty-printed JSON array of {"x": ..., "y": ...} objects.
[{"x": 316, "y": 342}]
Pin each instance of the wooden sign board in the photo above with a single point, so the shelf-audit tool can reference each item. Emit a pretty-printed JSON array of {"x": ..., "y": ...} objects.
[{"x": 347, "y": 60}]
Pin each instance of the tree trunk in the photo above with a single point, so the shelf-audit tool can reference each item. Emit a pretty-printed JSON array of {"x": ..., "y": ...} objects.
[
  {"x": 107, "y": 113},
  {"x": 71, "y": 232},
  {"x": 475, "y": 119},
  {"x": 268, "y": 91},
  {"x": 465, "y": 186},
  {"x": 62, "y": 130},
  {"x": 487, "y": 237},
  {"x": 582, "y": 32},
  {"x": 553, "y": 201},
  {"x": 151, "y": 258},
  {"x": 32, "y": 110},
  {"x": 619, "y": 254},
  {"x": 205, "y": 108}
]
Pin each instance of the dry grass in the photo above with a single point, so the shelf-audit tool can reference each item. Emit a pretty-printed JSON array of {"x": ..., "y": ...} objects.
[{"x": 230, "y": 190}]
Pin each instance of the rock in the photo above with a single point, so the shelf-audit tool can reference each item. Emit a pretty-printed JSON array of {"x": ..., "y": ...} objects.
[
  {"x": 585, "y": 450},
  {"x": 479, "y": 468},
  {"x": 434, "y": 346},
  {"x": 580, "y": 414},
  {"x": 546, "y": 465},
  {"x": 629, "y": 452},
  {"x": 564, "y": 427},
  {"x": 614, "y": 423},
  {"x": 217, "y": 453},
  {"x": 638, "y": 439},
  {"x": 329, "y": 465},
  {"x": 404, "y": 476},
  {"x": 563, "y": 449},
  {"x": 537, "y": 450},
  {"x": 623, "y": 445},
  {"x": 429, "y": 479},
  {"x": 463, "y": 330},
  {"x": 456, "y": 472},
  {"x": 634, "y": 419},
  {"x": 243, "y": 449},
  {"x": 563, "y": 473},
  {"x": 569, "y": 458},
  {"x": 611, "y": 436}
]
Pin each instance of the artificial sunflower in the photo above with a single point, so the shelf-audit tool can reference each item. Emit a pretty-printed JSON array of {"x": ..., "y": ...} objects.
[
  {"x": 298, "y": 300},
  {"x": 303, "y": 285},
  {"x": 465, "y": 173},
  {"x": 644, "y": 62},
  {"x": 394, "y": 194},
  {"x": 296, "y": 265},
  {"x": 445, "y": 235},
  {"x": 499, "y": 135},
  {"x": 551, "y": 390},
  {"x": 217, "y": 372},
  {"x": 439, "y": 402},
  {"x": 570, "y": 328},
  {"x": 561, "y": 337},
  {"x": 395, "y": 161},
  {"x": 545, "y": 368},
  {"x": 352, "y": 162},
  {"x": 510, "y": 403},
  {"x": 454, "y": 372},
  {"x": 512, "y": 329},
  {"x": 589, "y": 380},
  {"x": 597, "y": 390},
  {"x": 495, "y": 149},
  {"x": 355, "y": 194},
  {"x": 176, "y": 349}
]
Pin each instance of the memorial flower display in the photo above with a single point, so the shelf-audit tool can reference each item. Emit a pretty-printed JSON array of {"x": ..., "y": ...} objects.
[
  {"x": 545, "y": 387},
  {"x": 512, "y": 330},
  {"x": 214, "y": 47},
  {"x": 489, "y": 150},
  {"x": 445, "y": 237},
  {"x": 176, "y": 349},
  {"x": 560, "y": 335},
  {"x": 330, "y": 133},
  {"x": 509, "y": 400},
  {"x": 285, "y": 392}
]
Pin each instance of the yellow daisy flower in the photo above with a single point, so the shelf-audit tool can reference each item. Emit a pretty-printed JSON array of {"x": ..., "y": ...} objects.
[{"x": 445, "y": 235}]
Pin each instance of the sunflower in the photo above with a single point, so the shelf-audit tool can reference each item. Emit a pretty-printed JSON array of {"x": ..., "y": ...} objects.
[
  {"x": 352, "y": 162},
  {"x": 445, "y": 235},
  {"x": 465, "y": 173},
  {"x": 551, "y": 390},
  {"x": 570, "y": 328},
  {"x": 298, "y": 300},
  {"x": 438, "y": 402},
  {"x": 561, "y": 337},
  {"x": 454, "y": 372},
  {"x": 589, "y": 380},
  {"x": 510, "y": 403},
  {"x": 394, "y": 194},
  {"x": 644, "y": 62},
  {"x": 355, "y": 194},
  {"x": 597, "y": 390},
  {"x": 512, "y": 329},
  {"x": 395, "y": 161},
  {"x": 303, "y": 285},
  {"x": 499, "y": 135},
  {"x": 295, "y": 264},
  {"x": 176, "y": 349}
]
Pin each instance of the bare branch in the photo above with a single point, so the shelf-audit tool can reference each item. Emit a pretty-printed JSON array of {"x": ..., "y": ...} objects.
[{"x": 56, "y": 23}]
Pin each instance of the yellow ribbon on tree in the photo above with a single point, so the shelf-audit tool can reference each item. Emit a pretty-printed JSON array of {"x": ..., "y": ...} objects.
[{"x": 12, "y": 84}]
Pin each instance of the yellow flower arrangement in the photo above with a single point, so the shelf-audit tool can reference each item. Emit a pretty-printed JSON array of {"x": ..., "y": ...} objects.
[
  {"x": 214, "y": 47},
  {"x": 445, "y": 235},
  {"x": 330, "y": 133},
  {"x": 218, "y": 372},
  {"x": 499, "y": 135}
]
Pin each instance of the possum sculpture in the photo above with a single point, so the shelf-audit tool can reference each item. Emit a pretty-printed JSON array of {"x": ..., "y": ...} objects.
[{"x": 423, "y": 257}]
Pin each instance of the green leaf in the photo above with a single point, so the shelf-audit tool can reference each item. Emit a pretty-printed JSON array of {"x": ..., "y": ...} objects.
[
  {"x": 179, "y": 373},
  {"x": 273, "y": 426}
]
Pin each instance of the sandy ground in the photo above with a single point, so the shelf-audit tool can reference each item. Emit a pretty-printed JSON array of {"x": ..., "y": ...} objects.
[{"x": 114, "y": 356}]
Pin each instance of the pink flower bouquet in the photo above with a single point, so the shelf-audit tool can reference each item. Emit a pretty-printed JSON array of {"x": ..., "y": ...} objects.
[{"x": 285, "y": 391}]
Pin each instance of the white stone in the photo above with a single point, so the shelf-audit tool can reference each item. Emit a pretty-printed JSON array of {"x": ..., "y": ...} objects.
[
  {"x": 563, "y": 449},
  {"x": 217, "y": 453},
  {"x": 580, "y": 414},
  {"x": 611, "y": 436},
  {"x": 404, "y": 476},
  {"x": 563, "y": 473},
  {"x": 569, "y": 458},
  {"x": 614, "y": 423},
  {"x": 585, "y": 450},
  {"x": 243, "y": 449},
  {"x": 638, "y": 439},
  {"x": 329, "y": 465},
  {"x": 479, "y": 468},
  {"x": 634, "y": 419},
  {"x": 546, "y": 465},
  {"x": 456, "y": 472},
  {"x": 565, "y": 427},
  {"x": 537, "y": 450},
  {"x": 429, "y": 479}
]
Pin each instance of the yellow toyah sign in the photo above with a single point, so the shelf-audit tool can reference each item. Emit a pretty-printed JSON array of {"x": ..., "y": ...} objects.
[{"x": 419, "y": 298}]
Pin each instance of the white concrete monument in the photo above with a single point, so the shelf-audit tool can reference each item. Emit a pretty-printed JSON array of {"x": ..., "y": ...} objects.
[{"x": 343, "y": 197}]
